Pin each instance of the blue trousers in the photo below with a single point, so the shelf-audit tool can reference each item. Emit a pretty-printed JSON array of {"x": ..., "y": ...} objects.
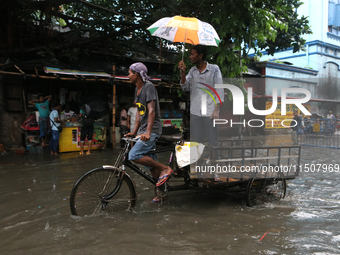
[
  {"x": 54, "y": 142},
  {"x": 142, "y": 148},
  {"x": 43, "y": 126}
]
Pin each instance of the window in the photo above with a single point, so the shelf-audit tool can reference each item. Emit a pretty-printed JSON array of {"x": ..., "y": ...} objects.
[
  {"x": 333, "y": 10},
  {"x": 333, "y": 30},
  {"x": 333, "y": 18}
]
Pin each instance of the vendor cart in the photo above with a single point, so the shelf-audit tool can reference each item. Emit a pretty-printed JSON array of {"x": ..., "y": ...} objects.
[{"x": 260, "y": 172}]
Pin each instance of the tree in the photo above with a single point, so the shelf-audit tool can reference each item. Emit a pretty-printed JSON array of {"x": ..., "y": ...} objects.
[
  {"x": 258, "y": 25},
  {"x": 115, "y": 26}
]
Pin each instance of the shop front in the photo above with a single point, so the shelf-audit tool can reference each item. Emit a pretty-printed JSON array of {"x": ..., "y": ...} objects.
[
  {"x": 73, "y": 88},
  {"x": 69, "y": 139}
]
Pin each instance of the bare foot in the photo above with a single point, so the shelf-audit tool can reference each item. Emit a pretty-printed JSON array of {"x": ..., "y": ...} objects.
[
  {"x": 52, "y": 153},
  {"x": 56, "y": 153},
  {"x": 165, "y": 171},
  {"x": 165, "y": 174}
]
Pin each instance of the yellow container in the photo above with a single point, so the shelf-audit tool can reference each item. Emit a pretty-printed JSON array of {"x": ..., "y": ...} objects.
[{"x": 69, "y": 139}]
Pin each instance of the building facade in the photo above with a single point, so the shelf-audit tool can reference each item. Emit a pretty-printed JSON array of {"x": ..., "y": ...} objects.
[{"x": 320, "y": 60}]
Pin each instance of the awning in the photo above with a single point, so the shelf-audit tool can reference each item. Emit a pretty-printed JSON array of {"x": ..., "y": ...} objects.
[
  {"x": 120, "y": 77},
  {"x": 54, "y": 70},
  {"x": 75, "y": 72}
]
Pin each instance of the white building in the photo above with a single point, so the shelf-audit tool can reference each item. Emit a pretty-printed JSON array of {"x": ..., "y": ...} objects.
[{"x": 321, "y": 56}]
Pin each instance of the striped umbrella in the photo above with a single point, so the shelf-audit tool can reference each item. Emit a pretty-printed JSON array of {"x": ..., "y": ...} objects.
[{"x": 186, "y": 30}]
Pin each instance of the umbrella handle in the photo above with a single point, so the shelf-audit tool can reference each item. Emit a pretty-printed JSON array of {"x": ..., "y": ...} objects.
[{"x": 185, "y": 37}]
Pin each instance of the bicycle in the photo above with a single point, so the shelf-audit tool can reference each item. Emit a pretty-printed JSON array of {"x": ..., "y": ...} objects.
[{"x": 110, "y": 188}]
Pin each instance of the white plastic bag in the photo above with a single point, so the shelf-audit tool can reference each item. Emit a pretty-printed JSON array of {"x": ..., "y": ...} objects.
[{"x": 188, "y": 153}]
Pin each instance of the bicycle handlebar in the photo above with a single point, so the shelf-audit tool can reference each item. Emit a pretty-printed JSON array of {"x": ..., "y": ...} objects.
[
  {"x": 134, "y": 139},
  {"x": 130, "y": 139}
]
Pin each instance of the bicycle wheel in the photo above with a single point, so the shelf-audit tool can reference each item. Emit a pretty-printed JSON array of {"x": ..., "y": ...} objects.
[
  {"x": 101, "y": 191},
  {"x": 268, "y": 187}
]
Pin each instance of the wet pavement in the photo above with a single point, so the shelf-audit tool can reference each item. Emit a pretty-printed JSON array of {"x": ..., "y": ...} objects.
[{"x": 36, "y": 218}]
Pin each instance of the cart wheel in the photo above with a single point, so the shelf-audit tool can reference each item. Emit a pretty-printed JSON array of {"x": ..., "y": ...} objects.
[{"x": 265, "y": 187}]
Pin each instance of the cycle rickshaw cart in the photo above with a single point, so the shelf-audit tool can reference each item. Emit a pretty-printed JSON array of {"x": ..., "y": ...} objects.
[{"x": 260, "y": 172}]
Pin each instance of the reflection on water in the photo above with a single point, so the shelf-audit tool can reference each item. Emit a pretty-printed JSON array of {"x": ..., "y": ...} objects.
[{"x": 36, "y": 216}]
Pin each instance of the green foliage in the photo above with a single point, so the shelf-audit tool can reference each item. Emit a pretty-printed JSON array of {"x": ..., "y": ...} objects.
[
  {"x": 242, "y": 25},
  {"x": 259, "y": 25},
  {"x": 180, "y": 93}
]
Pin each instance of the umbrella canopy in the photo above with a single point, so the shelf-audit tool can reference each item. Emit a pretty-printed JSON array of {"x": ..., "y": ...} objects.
[{"x": 187, "y": 30}]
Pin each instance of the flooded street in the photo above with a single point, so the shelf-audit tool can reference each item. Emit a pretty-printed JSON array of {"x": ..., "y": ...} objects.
[{"x": 36, "y": 217}]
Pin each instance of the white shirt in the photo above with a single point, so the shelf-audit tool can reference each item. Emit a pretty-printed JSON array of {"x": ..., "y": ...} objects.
[
  {"x": 211, "y": 75},
  {"x": 54, "y": 114},
  {"x": 64, "y": 115},
  {"x": 132, "y": 113}
]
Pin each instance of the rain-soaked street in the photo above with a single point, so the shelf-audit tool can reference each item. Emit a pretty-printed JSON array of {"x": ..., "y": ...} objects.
[{"x": 36, "y": 217}]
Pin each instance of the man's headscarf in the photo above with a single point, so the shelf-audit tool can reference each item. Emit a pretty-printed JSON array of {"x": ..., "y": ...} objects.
[{"x": 141, "y": 69}]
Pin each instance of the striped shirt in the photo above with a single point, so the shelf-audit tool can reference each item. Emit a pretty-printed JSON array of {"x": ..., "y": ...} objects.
[{"x": 211, "y": 75}]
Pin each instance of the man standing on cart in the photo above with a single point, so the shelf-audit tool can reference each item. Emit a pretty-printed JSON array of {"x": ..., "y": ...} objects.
[
  {"x": 202, "y": 76},
  {"x": 148, "y": 126}
]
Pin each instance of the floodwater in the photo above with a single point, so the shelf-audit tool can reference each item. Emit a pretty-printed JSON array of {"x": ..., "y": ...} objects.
[{"x": 36, "y": 219}]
